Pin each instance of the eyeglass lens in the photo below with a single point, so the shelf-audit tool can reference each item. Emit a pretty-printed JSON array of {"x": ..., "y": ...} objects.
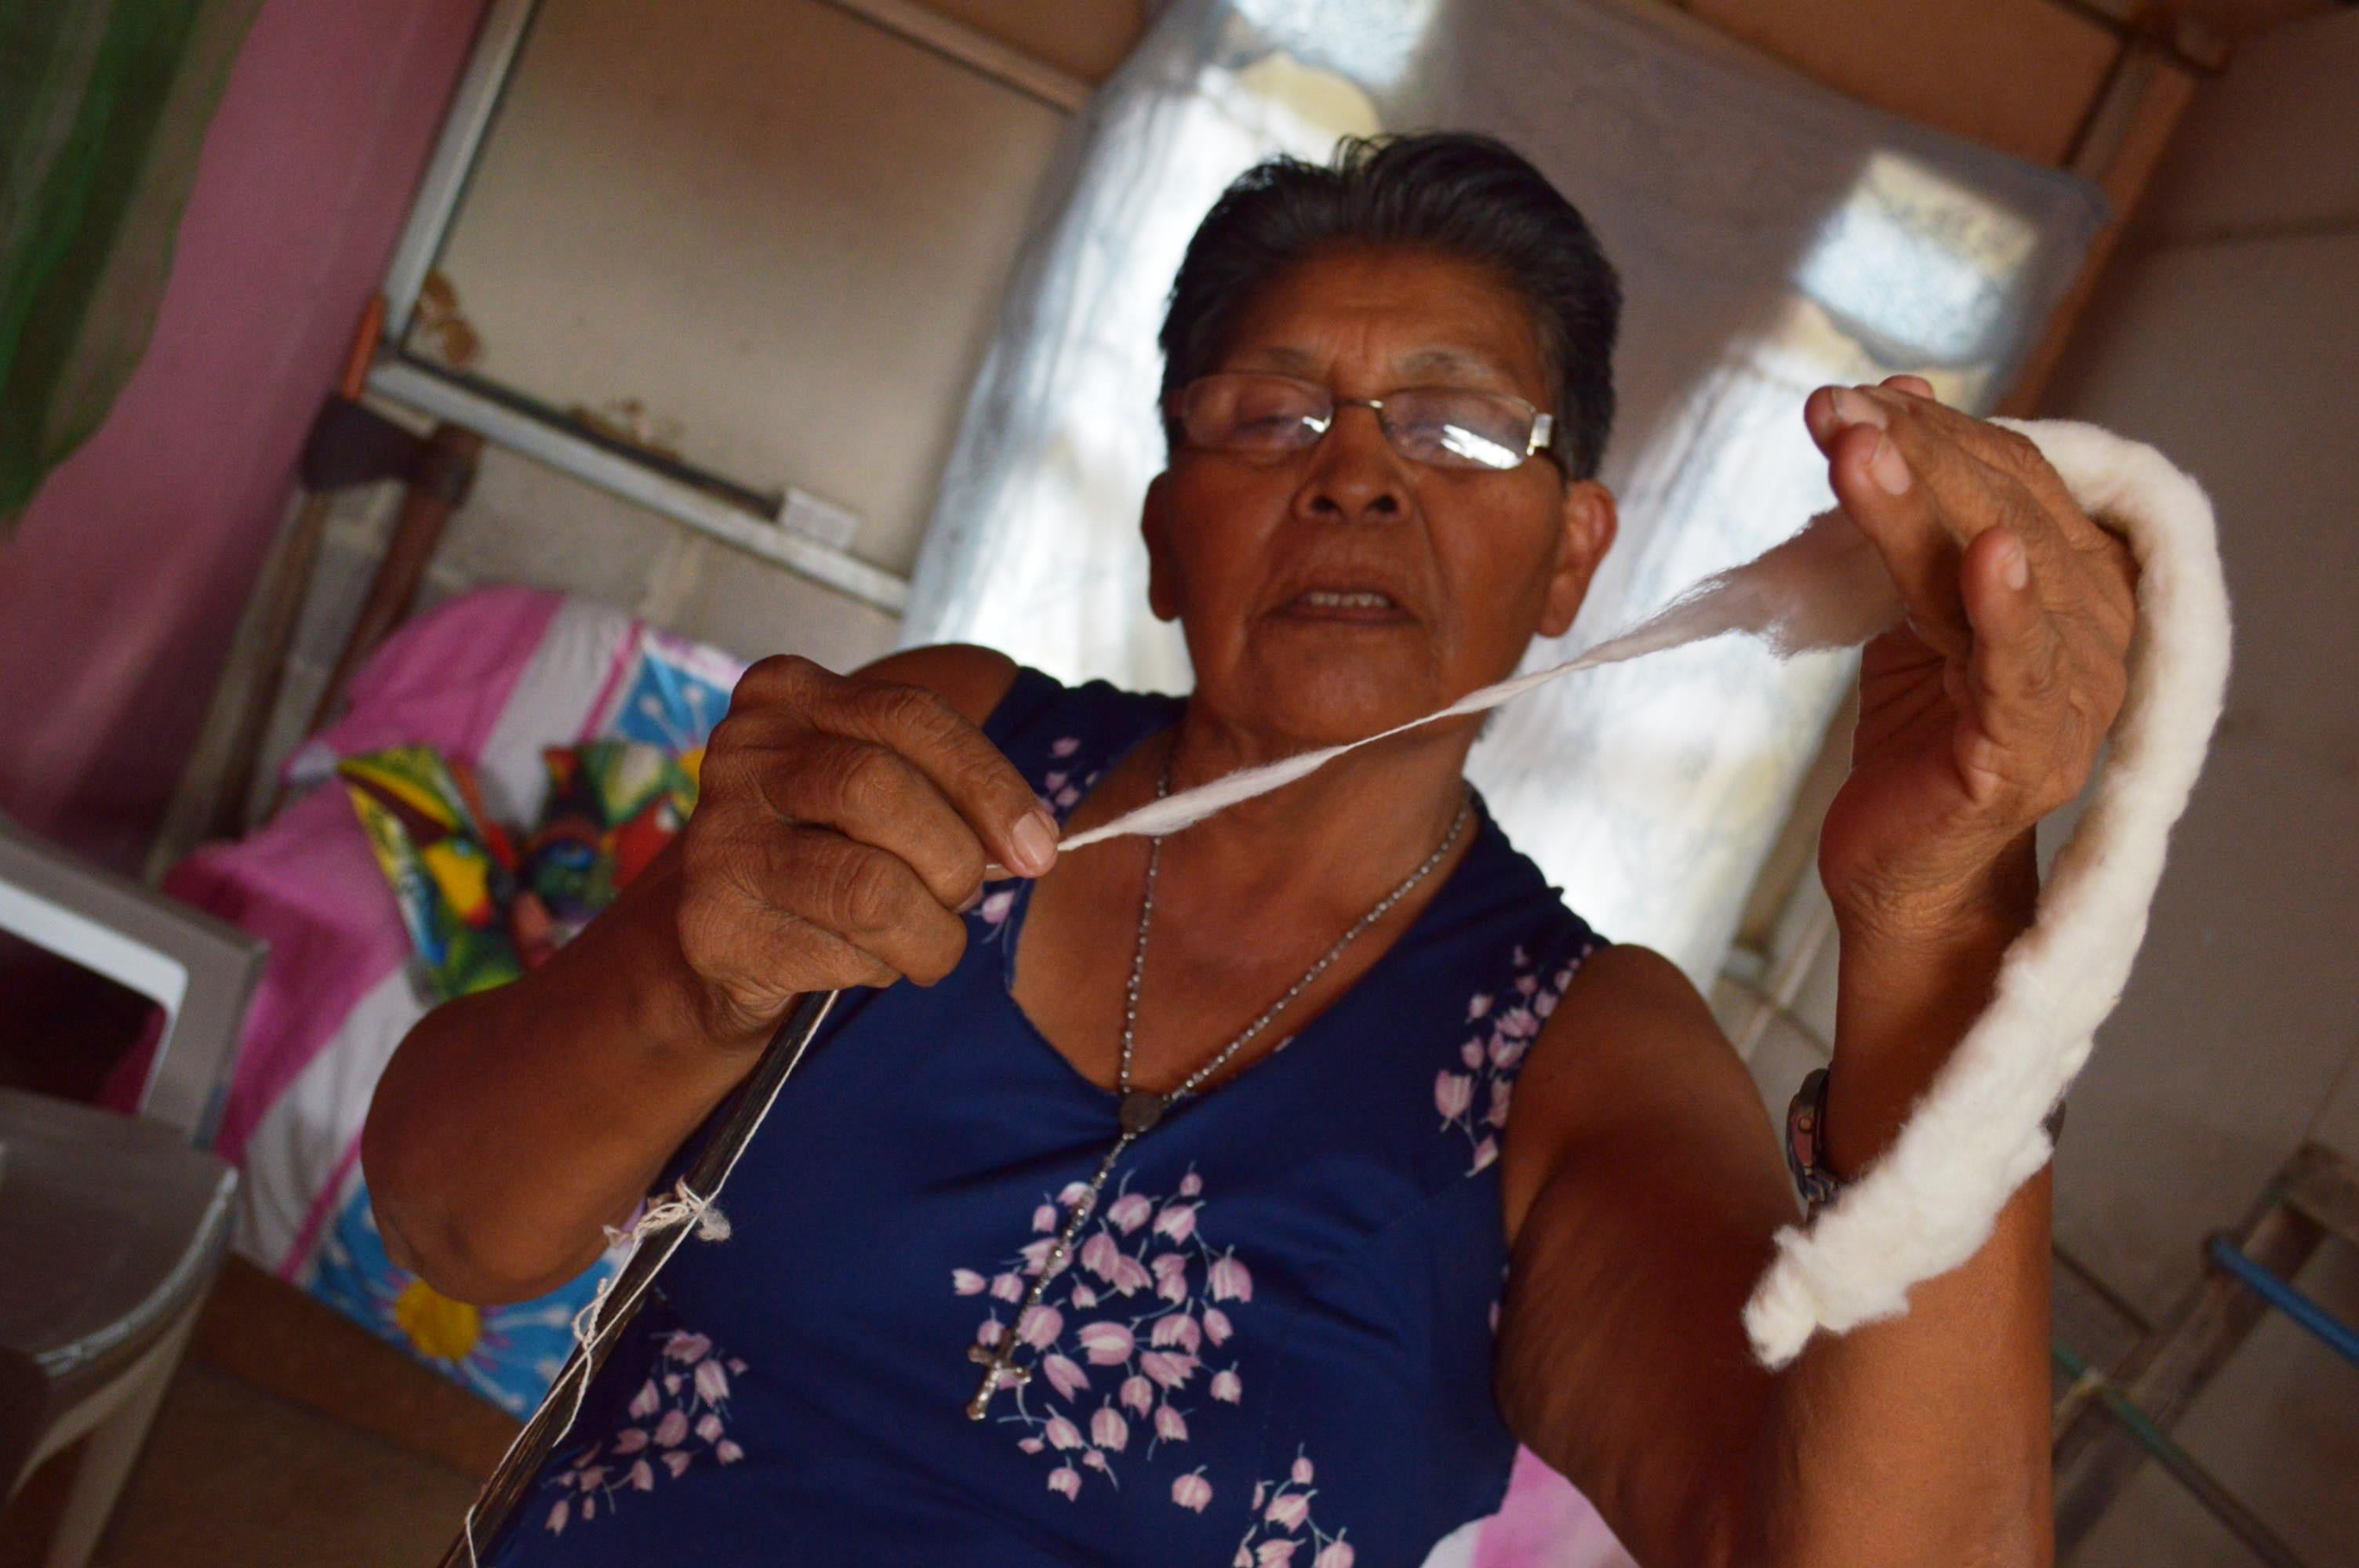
[{"x": 1272, "y": 416}]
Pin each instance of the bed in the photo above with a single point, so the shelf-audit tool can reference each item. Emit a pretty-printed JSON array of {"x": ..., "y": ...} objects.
[{"x": 494, "y": 677}]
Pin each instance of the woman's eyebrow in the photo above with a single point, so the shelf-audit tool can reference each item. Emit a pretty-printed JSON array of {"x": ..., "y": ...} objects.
[
  {"x": 1281, "y": 358},
  {"x": 1453, "y": 362},
  {"x": 1459, "y": 365}
]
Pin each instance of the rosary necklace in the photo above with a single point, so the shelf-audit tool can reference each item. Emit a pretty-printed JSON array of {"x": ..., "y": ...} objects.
[{"x": 1139, "y": 1109}]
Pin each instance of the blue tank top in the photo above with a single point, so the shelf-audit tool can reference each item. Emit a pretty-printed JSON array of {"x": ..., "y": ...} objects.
[{"x": 1274, "y": 1348}]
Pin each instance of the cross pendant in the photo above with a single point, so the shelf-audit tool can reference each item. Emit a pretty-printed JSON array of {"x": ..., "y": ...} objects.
[{"x": 996, "y": 1375}]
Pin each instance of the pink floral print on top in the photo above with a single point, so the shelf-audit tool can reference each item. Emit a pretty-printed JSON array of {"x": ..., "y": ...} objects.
[
  {"x": 1135, "y": 1323},
  {"x": 1474, "y": 1093},
  {"x": 678, "y": 1416},
  {"x": 1281, "y": 1531},
  {"x": 1059, "y": 789}
]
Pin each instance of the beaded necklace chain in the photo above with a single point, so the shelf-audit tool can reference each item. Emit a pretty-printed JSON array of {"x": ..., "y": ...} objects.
[{"x": 1139, "y": 1109}]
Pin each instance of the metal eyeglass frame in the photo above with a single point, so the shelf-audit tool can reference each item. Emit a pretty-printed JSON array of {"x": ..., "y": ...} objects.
[{"x": 1536, "y": 445}]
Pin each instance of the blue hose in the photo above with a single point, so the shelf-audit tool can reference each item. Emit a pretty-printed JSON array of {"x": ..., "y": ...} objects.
[{"x": 2336, "y": 1334}]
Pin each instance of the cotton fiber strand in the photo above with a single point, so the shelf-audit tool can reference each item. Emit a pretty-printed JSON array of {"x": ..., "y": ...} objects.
[{"x": 1929, "y": 1203}]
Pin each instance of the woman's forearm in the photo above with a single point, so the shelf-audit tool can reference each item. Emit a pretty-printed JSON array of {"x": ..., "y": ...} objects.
[
  {"x": 1643, "y": 1197},
  {"x": 512, "y": 1125},
  {"x": 1924, "y": 1438}
]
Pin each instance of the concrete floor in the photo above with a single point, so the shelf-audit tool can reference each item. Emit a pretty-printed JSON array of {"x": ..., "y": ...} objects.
[{"x": 234, "y": 1477}]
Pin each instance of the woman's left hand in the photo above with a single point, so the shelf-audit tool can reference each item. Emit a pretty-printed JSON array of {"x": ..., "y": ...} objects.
[{"x": 1985, "y": 710}]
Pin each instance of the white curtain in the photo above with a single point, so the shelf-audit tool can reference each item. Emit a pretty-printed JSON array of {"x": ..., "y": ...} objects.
[{"x": 1771, "y": 237}]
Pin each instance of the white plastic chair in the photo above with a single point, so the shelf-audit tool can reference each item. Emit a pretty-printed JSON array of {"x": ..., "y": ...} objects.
[{"x": 112, "y": 1229}]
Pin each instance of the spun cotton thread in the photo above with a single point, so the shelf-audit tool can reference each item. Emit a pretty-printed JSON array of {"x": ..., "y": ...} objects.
[
  {"x": 1824, "y": 588},
  {"x": 673, "y": 1220},
  {"x": 1976, "y": 1134}
]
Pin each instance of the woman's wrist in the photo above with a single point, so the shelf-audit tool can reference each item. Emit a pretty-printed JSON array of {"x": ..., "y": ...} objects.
[
  {"x": 1936, "y": 914},
  {"x": 627, "y": 968},
  {"x": 1905, "y": 993}
]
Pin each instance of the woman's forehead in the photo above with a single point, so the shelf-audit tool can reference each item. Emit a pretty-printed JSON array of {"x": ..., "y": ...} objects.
[{"x": 1405, "y": 314}]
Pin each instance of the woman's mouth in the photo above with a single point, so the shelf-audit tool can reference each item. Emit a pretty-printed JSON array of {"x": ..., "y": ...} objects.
[{"x": 1363, "y": 605}]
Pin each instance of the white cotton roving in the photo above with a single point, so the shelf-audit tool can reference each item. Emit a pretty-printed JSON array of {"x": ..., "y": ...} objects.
[{"x": 1929, "y": 1203}]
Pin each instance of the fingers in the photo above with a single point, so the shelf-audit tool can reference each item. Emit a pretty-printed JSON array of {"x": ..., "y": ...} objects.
[
  {"x": 1881, "y": 492},
  {"x": 2027, "y": 600},
  {"x": 1923, "y": 481},
  {"x": 1921, "y": 424},
  {"x": 768, "y": 911},
  {"x": 1822, "y": 410},
  {"x": 865, "y": 897},
  {"x": 754, "y": 955},
  {"x": 876, "y": 796},
  {"x": 2020, "y": 693},
  {"x": 951, "y": 754},
  {"x": 844, "y": 828}
]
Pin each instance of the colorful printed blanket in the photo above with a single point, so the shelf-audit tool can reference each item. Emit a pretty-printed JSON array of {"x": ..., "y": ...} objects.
[
  {"x": 479, "y": 912},
  {"x": 505, "y": 706}
]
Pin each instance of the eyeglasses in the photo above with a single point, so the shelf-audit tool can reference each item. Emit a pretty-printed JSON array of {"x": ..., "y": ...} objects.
[{"x": 1274, "y": 416}]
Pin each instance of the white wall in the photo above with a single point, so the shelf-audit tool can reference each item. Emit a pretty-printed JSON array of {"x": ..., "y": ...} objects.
[
  {"x": 2228, "y": 335},
  {"x": 777, "y": 230}
]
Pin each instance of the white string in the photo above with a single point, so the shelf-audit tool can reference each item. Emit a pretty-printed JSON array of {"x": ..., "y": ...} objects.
[
  {"x": 1930, "y": 1203},
  {"x": 682, "y": 1206},
  {"x": 670, "y": 1220},
  {"x": 1824, "y": 588},
  {"x": 683, "y": 1214}
]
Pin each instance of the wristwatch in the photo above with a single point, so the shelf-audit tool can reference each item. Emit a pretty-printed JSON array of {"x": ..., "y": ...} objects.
[
  {"x": 1806, "y": 1142},
  {"x": 1806, "y": 1146}
]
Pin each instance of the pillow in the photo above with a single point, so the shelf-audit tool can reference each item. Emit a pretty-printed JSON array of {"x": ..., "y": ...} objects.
[
  {"x": 611, "y": 806},
  {"x": 478, "y": 912},
  {"x": 451, "y": 870}
]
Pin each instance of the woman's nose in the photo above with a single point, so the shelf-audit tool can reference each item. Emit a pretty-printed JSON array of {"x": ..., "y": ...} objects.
[{"x": 1355, "y": 475}]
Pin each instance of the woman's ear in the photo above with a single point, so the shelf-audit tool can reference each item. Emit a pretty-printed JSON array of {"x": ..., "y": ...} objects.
[
  {"x": 1588, "y": 522},
  {"x": 1154, "y": 524}
]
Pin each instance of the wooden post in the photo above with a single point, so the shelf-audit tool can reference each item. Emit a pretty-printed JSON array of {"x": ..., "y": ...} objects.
[
  {"x": 2119, "y": 148},
  {"x": 437, "y": 487}
]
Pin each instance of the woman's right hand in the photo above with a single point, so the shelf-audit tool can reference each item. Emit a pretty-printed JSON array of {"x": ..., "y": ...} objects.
[{"x": 842, "y": 825}]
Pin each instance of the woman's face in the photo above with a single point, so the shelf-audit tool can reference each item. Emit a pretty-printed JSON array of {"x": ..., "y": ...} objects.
[{"x": 1471, "y": 563}]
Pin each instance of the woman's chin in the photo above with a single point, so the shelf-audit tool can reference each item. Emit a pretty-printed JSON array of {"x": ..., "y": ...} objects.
[{"x": 1329, "y": 685}]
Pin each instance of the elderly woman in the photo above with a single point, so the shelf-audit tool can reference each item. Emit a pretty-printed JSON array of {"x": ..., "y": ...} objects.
[{"x": 1174, "y": 1214}]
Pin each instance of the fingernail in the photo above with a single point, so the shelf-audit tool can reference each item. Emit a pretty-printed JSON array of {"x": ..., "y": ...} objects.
[
  {"x": 1819, "y": 413},
  {"x": 1888, "y": 467},
  {"x": 2012, "y": 565},
  {"x": 1858, "y": 409},
  {"x": 1033, "y": 842},
  {"x": 974, "y": 901}
]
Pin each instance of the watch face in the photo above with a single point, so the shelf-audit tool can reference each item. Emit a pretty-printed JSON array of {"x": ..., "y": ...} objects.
[{"x": 1804, "y": 1117}]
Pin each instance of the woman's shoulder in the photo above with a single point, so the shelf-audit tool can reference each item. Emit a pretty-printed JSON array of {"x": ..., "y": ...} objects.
[{"x": 971, "y": 679}]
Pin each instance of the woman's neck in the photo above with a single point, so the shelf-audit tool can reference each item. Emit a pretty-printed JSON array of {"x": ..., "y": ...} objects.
[{"x": 1343, "y": 837}]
